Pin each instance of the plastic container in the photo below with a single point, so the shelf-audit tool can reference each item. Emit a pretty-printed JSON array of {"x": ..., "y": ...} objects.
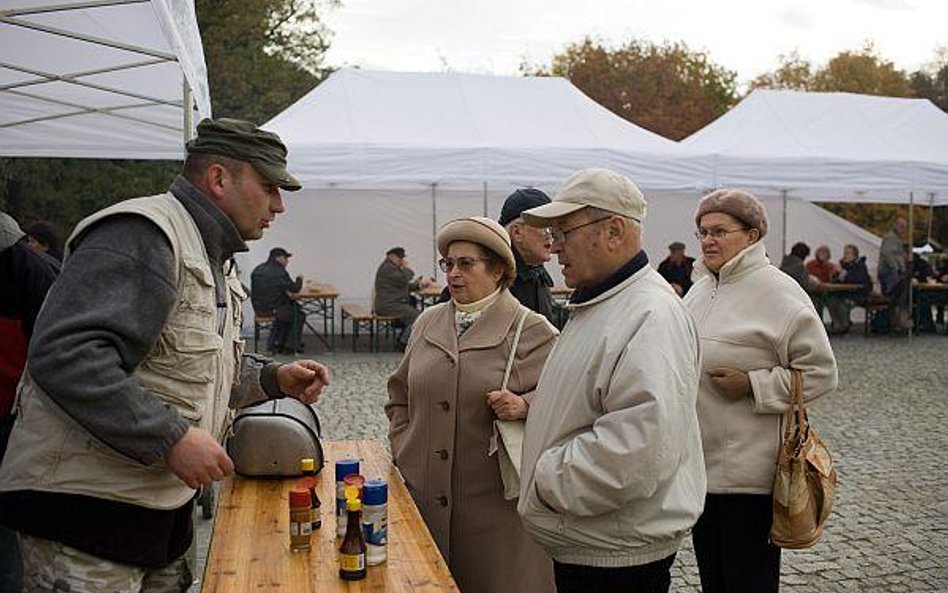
[
  {"x": 375, "y": 521},
  {"x": 301, "y": 526},
  {"x": 344, "y": 467}
]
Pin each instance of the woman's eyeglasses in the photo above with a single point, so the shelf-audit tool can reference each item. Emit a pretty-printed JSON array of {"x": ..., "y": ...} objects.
[
  {"x": 462, "y": 263},
  {"x": 702, "y": 234}
]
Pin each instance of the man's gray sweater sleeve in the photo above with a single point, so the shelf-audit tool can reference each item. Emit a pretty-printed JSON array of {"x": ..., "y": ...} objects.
[{"x": 100, "y": 320}]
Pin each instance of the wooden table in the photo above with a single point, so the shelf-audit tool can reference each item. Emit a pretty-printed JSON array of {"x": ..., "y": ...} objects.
[
  {"x": 319, "y": 300},
  {"x": 250, "y": 545},
  {"x": 429, "y": 295}
]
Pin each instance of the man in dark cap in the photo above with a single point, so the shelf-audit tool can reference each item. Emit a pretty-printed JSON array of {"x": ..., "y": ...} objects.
[
  {"x": 677, "y": 268},
  {"x": 531, "y": 248},
  {"x": 394, "y": 283},
  {"x": 134, "y": 358},
  {"x": 271, "y": 293}
]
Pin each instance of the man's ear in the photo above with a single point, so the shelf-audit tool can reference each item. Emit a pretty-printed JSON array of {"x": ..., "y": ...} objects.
[{"x": 215, "y": 179}]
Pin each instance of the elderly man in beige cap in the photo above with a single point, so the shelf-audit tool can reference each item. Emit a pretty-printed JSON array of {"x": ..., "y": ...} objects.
[
  {"x": 613, "y": 477},
  {"x": 135, "y": 359}
]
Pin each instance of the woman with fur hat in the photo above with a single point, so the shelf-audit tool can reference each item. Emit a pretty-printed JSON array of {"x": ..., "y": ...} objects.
[
  {"x": 755, "y": 323},
  {"x": 444, "y": 398}
]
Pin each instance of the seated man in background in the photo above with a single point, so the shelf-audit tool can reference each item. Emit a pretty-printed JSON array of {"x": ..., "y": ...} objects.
[
  {"x": 271, "y": 292},
  {"x": 677, "y": 268},
  {"x": 394, "y": 283}
]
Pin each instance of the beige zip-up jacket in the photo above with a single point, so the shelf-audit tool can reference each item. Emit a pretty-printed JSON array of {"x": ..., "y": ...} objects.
[
  {"x": 755, "y": 318},
  {"x": 612, "y": 468}
]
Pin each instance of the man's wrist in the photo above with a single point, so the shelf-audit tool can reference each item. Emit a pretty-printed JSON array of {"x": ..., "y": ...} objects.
[{"x": 269, "y": 382}]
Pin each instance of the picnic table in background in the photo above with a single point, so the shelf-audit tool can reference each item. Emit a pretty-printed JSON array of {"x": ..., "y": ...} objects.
[{"x": 319, "y": 300}]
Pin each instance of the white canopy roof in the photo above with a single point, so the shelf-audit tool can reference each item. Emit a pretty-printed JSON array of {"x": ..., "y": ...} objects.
[
  {"x": 375, "y": 129},
  {"x": 831, "y": 146},
  {"x": 99, "y": 78}
]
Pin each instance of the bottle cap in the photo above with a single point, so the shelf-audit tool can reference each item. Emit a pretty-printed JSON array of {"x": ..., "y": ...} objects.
[
  {"x": 307, "y": 464},
  {"x": 375, "y": 492},
  {"x": 353, "y": 504},
  {"x": 344, "y": 467},
  {"x": 299, "y": 497},
  {"x": 356, "y": 480}
]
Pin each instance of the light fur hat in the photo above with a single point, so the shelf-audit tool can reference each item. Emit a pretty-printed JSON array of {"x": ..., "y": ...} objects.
[
  {"x": 592, "y": 188},
  {"x": 480, "y": 230},
  {"x": 739, "y": 204}
]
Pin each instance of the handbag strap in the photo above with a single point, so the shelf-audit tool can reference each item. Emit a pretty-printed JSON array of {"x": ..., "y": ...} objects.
[
  {"x": 513, "y": 348},
  {"x": 797, "y": 411}
]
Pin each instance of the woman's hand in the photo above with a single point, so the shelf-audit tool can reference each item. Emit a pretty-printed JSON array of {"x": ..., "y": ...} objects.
[
  {"x": 507, "y": 405},
  {"x": 731, "y": 384}
]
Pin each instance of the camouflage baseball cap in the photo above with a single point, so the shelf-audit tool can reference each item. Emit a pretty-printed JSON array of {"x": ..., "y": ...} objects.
[{"x": 241, "y": 140}]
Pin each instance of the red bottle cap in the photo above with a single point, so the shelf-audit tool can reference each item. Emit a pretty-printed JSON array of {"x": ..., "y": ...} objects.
[{"x": 299, "y": 497}]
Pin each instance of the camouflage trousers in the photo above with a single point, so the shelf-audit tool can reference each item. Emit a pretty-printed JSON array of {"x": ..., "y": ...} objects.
[{"x": 51, "y": 567}]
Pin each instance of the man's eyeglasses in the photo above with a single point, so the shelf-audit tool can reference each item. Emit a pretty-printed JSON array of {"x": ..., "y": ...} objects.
[
  {"x": 462, "y": 263},
  {"x": 702, "y": 234},
  {"x": 547, "y": 232},
  {"x": 560, "y": 235}
]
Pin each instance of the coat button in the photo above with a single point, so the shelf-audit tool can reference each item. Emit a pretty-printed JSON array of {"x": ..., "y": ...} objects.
[
  {"x": 443, "y": 501},
  {"x": 442, "y": 453},
  {"x": 445, "y": 405}
]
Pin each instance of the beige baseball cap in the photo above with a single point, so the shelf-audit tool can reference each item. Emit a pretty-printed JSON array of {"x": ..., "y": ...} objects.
[{"x": 591, "y": 188}]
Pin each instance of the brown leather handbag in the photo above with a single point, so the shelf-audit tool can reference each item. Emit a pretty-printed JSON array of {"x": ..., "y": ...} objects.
[{"x": 805, "y": 485}]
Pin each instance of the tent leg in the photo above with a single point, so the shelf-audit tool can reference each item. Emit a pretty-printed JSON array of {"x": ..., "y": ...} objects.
[
  {"x": 783, "y": 238},
  {"x": 911, "y": 264},
  {"x": 434, "y": 231},
  {"x": 485, "y": 200},
  {"x": 187, "y": 102}
]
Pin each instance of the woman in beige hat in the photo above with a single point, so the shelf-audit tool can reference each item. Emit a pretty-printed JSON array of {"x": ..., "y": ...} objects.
[
  {"x": 755, "y": 323},
  {"x": 444, "y": 398}
]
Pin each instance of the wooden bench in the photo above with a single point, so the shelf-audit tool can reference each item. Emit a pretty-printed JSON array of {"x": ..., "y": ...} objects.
[
  {"x": 261, "y": 321},
  {"x": 361, "y": 318}
]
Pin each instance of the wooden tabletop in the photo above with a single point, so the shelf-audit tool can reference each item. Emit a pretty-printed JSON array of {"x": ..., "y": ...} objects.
[
  {"x": 936, "y": 287},
  {"x": 839, "y": 287},
  {"x": 250, "y": 545},
  {"x": 318, "y": 291},
  {"x": 430, "y": 291}
]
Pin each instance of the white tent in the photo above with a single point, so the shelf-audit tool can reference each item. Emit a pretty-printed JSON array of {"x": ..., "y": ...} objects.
[
  {"x": 99, "y": 78},
  {"x": 831, "y": 147},
  {"x": 386, "y": 158}
]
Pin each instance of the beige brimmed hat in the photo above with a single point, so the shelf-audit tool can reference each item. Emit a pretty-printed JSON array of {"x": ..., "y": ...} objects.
[
  {"x": 482, "y": 231},
  {"x": 592, "y": 188}
]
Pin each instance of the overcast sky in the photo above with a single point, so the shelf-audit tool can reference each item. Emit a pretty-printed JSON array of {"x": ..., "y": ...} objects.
[{"x": 495, "y": 36}]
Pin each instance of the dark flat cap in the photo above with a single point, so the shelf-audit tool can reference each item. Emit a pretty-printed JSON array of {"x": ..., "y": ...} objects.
[
  {"x": 244, "y": 141},
  {"x": 520, "y": 200},
  {"x": 676, "y": 246},
  {"x": 396, "y": 251},
  {"x": 279, "y": 251}
]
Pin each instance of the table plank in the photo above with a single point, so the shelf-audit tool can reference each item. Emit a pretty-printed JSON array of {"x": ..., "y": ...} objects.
[{"x": 250, "y": 543}]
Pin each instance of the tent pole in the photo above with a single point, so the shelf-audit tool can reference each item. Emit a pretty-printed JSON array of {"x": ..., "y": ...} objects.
[
  {"x": 187, "y": 102},
  {"x": 783, "y": 198},
  {"x": 911, "y": 263},
  {"x": 931, "y": 214},
  {"x": 434, "y": 232},
  {"x": 485, "y": 200}
]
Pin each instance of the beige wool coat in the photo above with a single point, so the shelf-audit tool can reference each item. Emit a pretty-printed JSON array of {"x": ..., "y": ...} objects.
[{"x": 440, "y": 431}]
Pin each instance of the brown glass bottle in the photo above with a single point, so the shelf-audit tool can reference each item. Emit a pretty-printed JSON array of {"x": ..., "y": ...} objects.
[{"x": 352, "y": 550}]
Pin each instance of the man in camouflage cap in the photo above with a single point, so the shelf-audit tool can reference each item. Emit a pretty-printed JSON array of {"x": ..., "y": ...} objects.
[{"x": 134, "y": 358}]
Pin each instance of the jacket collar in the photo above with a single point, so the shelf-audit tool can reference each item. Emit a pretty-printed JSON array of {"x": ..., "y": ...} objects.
[
  {"x": 751, "y": 258},
  {"x": 530, "y": 273},
  {"x": 490, "y": 329},
  {"x": 628, "y": 269},
  {"x": 221, "y": 237}
]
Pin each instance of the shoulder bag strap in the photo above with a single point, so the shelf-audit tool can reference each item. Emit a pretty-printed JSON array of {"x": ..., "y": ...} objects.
[{"x": 513, "y": 348}]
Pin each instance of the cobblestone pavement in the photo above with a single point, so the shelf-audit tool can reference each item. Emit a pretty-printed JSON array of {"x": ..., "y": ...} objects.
[{"x": 886, "y": 426}]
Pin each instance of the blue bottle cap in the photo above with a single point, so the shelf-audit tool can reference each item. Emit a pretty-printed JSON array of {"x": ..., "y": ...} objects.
[
  {"x": 344, "y": 467},
  {"x": 375, "y": 492}
]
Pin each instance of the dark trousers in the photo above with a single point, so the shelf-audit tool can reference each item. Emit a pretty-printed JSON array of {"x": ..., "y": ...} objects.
[
  {"x": 647, "y": 578},
  {"x": 11, "y": 567},
  {"x": 732, "y": 544}
]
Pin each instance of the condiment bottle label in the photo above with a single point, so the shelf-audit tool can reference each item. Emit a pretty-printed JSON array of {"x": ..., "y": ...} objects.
[
  {"x": 352, "y": 562},
  {"x": 375, "y": 527},
  {"x": 303, "y": 528}
]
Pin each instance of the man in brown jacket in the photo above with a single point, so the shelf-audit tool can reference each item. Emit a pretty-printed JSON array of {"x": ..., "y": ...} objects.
[{"x": 394, "y": 283}]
